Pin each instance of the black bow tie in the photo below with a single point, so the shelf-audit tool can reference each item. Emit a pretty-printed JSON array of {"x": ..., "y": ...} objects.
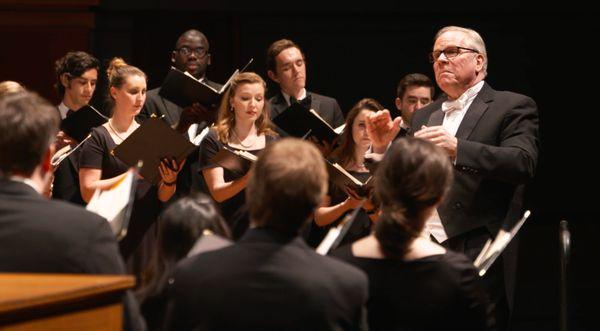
[
  {"x": 69, "y": 113},
  {"x": 305, "y": 103}
]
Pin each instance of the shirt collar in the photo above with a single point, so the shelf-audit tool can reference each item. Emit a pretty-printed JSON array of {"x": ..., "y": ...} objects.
[
  {"x": 63, "y": 109},
  {"x": 26, "y": 181},
  {"x": 461, "y": 102},
  {"x": 287, "y": 96}
]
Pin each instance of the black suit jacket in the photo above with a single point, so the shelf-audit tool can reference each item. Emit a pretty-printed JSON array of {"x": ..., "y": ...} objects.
[
  {"x": 266, "y": 281},
  {"x": 328, "y": 108},
  {"x": 497, "y": 152},
  {"x": 38, "y": 235}
]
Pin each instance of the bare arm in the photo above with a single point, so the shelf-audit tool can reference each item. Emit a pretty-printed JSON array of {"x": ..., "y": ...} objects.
[
  {"x": 219, "y": 189},
  {"x": 89, "y": 181},
  {"x": 327, "y": 214}
]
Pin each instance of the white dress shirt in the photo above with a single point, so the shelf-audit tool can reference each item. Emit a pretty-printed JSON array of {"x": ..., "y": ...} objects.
[{"x": 454, "y": 112}]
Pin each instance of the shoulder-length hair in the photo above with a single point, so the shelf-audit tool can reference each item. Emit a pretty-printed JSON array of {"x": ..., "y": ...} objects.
[{"x": 226, "y": 117}]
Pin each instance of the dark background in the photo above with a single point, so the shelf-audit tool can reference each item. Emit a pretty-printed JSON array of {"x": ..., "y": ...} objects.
[{"x": 362, "y": 49}]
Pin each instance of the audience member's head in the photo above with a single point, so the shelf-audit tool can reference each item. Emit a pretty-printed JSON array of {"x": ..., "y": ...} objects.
[
  {"x": 29, "y": 125},
  {"x": 243, "y": 101},
  {"x": 191, "y": 53},
  {"x": 410, "y": 181},
  {"x": 286, "y": 66},
  {"x": 355, "y": 134},
  {"x": 126, "y": 86},
  {"x": 9, "y": 87},
  {"x": 181, "y": 224},
  {"x": 288, "y": 183},
  {"x": 414, "y": 92},
  {"x": 76, "y": 77}
]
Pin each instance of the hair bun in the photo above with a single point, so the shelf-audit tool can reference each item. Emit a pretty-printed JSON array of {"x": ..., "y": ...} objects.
[{"x": 115, "y": 64}]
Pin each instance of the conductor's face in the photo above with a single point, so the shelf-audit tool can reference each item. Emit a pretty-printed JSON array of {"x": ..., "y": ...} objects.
[
  {"x": 457, "y": 65},
  {"x": 290, "y": 71},
  {"x": 191, "y": 55}
]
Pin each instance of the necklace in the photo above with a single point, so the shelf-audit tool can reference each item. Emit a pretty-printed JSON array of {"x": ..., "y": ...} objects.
[
  {"x": 240, "y": 140},
  {"x": 115, "y": 131}
]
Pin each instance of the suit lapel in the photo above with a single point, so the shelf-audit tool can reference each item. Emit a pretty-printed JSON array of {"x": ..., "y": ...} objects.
[
  {"x": 475, "y": 111},
  {"x": 437, "y": 118},
  {"x": 278, "y": 105}
]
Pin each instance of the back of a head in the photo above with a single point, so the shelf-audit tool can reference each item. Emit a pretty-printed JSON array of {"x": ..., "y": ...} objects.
[
  {"x": 9, "y": 87},
  {"x": 288, "y": 183},
  {"x": 185, "y": 220},
  {"x": 28, "y": 125},
  {"x": 412, "y": 178}
]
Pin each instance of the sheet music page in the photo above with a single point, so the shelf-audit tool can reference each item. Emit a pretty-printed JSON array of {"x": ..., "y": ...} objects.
[{"x": 110, "y": 203}]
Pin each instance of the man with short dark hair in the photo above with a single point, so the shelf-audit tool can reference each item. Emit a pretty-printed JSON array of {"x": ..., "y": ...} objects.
[
  {"x": 414, "y": 92},
  {"x": 76, "y": 77},
  {"x": 38, "y": 234},
  {"x": 271, "y": 279},
  {"x": 286, "y": 66}
]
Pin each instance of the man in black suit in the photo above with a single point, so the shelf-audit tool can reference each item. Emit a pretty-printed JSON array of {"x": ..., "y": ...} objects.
[
  {"x": 286, "y": 66},
  {"x": 492, "y": 138},
  {"x": 191, "y": 54},
  {"x": 76, "y": 77},
  {"x": 414, "y": 92},
  {"x": 270, "y": 279},
  {"x": 37, "y": 234}
]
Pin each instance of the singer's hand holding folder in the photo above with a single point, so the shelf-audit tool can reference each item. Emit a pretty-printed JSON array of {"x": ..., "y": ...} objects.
[{"x": 152, "y": 142}]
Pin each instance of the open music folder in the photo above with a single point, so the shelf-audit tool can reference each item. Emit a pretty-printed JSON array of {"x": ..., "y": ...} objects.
[
  {"x": 493, "y": 248},
  {"x": 300, "y": 122},
  {"x": 238, "y": 161},
  {"x": 115, "y": 204},
  {"x": 152, "y": 142},
  {"x": 79, "y": 124},
  {"x": 343, "y": 180},
  {"x": 183, "y": 89}
]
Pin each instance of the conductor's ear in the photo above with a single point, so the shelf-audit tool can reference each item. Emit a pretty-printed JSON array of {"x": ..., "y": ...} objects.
[{"x": 272, "y": 75}]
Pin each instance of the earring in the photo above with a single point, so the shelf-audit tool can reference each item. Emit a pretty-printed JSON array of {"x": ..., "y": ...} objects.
[{"x": 231, "y": 109}]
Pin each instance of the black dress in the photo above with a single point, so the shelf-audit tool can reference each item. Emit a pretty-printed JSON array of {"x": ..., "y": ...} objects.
[
  {"x": 438, "y": 292},
  {"x": 96, "y": 153},
  {"x": 234, "y": 209},
  {"x": 361, "y": 227}
]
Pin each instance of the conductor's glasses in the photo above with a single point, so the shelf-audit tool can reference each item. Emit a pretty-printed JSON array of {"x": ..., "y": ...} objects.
[
  {"x": 450, "y": 52},
  {"x": 199, "y": 51}
]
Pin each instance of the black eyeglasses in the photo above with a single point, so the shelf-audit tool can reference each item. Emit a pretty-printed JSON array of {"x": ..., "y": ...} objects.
[
  {"x": 449, "y": 52},
  {"x": 185, "y": 51}
]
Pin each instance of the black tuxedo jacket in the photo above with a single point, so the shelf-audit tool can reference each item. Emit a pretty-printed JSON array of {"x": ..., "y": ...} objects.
[
  {"x": 38, "y": 235},
  {"x": 497, "y": 152},
  {"x": 328, "y": 108},
  {"x": 266, "y": 281}
]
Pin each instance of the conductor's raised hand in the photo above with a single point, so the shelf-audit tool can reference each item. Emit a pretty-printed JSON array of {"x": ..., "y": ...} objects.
[{"x": 381, "y": 129}]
